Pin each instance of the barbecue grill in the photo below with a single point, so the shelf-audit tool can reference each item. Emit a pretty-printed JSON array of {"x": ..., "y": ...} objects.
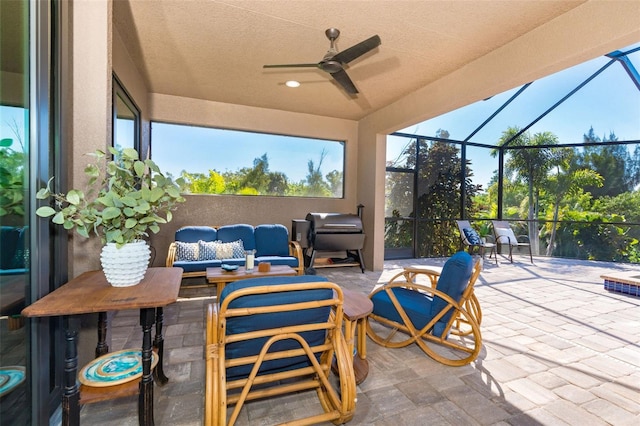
[{"x": 336, "y": 232}]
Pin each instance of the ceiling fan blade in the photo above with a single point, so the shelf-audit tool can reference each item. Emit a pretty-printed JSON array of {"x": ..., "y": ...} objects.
[
  {"x": 292, "y": 66},
  {"x": 343, "y": 79},
  {"x": 357, "y": 50}
]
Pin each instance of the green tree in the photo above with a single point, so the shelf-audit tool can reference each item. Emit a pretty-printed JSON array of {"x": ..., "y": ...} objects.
[
  {"x": 528, "y": 163},
  {"x": 613, "y": 162},
  {"x": 199, "y": 183},
  {"x": 317, "y": 187},
  {"x": 566, "y": 179}
]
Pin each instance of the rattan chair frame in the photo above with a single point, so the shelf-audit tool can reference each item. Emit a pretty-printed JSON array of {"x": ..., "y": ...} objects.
[
  {"x": 338, "y": 404},
  {"x": 463, "y": 323}
]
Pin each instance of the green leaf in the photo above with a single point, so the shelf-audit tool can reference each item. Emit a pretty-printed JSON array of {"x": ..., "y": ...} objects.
[
  {"x": 154, "y": 228},
  {"x": 92, "y": 171},
  {"x": 45, "y": 211},
  {"x": 130, "y": 223},
  {"x": 129, "y": 212},
  {"x": 58, "y": 219},
  {"x": 110, "y": 213},
  {"x": 139, "y": 167},
  {"x": 169, "y": 216},
  {"x": 43, "y": 193},
  {"x": 129, "y": 201},
  {"x": 82, "y": 231},
  {"x": 74, "y": 196},
  {"x": 6, "y": 142},
  {"x": 156, "y": 194},
  {"x": 130, "y": 153},
  {"x": 106, "y": 201}
]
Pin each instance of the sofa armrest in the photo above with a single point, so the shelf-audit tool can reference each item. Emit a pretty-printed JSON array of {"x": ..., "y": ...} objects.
[
  {"x": 171, "y": 255},
  {"x": 296, "y": 251}
]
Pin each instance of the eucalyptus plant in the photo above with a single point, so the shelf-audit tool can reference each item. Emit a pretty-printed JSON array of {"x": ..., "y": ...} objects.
[{"x": 132, "y": 198}]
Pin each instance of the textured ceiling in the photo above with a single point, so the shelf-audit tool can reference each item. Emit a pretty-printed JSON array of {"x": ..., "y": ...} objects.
[{"x": 215, "y": 50}]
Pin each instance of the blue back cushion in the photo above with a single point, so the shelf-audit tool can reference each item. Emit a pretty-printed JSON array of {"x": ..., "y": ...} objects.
[
  {"x": 272, "y": 240},
  {"x": 193, "y": 234},
  {"x": 244, "y": 232},
  {"x": 282, "y": 319},
  {"x": 453, "y": 281}
]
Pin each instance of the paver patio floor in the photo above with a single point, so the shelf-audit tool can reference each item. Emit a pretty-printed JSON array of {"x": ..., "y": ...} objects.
[{"x": 558, "y": 349}]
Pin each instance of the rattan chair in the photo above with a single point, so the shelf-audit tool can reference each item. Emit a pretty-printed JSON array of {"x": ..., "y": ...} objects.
[
  {"x": 275, "y": 336},
  {"x": 505, "y": 235},
  {"x": 441, "y": 320}
]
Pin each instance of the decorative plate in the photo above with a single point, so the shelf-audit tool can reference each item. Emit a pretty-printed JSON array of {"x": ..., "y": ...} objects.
[
  {"x": 114, "y": 368},
  {"x": 229, "y": 268},
  {"x": 10, "y": 378}
]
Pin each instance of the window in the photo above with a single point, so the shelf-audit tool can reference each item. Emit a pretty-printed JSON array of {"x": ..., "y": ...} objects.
[{"x": 219, "y": 161}]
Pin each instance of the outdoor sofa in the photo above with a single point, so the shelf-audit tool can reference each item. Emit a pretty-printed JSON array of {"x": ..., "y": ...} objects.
[{"x": 197, "y": 248}]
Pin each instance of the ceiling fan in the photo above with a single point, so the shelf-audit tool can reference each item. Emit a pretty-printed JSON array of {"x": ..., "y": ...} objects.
[{"x": 333, "y": 62}]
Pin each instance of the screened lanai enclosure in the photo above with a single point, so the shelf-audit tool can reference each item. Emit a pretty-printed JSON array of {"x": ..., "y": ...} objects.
[{"x": 559, "y": 158}]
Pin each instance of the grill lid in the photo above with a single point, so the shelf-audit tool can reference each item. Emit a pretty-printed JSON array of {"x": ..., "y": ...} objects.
[{"x": 334, "y": 223}]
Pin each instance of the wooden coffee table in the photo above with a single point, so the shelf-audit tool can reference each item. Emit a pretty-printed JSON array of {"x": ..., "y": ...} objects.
[{"x": 220, "y": 277}]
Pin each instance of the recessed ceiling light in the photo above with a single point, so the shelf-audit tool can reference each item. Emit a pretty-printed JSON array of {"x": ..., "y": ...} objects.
[{"x": 292, "y": 83}]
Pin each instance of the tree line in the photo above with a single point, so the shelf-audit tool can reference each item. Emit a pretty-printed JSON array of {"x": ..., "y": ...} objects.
[{"x": 578, "y": 202}]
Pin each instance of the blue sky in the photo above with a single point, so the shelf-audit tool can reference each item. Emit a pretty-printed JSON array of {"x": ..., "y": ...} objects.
[
  {"x": 201, "y": 149},
  {"x": 608, "y": 103}
]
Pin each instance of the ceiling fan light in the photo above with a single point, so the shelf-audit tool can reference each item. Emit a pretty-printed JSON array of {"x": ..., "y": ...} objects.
[{"x": 292, "y": 83}]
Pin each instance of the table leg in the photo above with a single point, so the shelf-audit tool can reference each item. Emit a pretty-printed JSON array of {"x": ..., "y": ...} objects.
[
  {"x": 102, "y": 348},
  {"x": 145, "y": 398},
  {"x": 158, "y": 344},
  {"x": 71, "y": 394},
  {"x": 362, "y": 338}
]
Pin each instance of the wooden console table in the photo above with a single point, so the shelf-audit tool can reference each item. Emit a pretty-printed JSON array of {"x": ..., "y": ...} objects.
[{"x": 91, "y": 293}]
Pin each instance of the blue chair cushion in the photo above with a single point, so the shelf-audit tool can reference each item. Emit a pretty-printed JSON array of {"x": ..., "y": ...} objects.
[
  {"x": 421, "y": 308},
  {"x": 453, "y": 280},
  {"x": 272, "y": 240},
  {"x": 193, "y": 234},
  {"x": 244, "y": 232},
  {"x": 198, "y": 265},
  {"x": 273, "y": 320},
  {"x": 279, "y": 260},
  {"x": 472, "y": 236}
]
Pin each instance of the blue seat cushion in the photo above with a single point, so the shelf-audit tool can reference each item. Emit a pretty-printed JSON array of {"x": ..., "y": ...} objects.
[
  {"x": 197, "y": 265},
  {"x": 249, "y": 323},
  {"x": 279, "y": 260},
  {"x": 241, "y": 231},
  {"x": 193, "y": 234},
  {"x": 272, "y": 240}
]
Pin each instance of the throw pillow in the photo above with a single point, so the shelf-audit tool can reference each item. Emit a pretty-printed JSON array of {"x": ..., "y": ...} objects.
[
  {"x": 206, "y": 250},
  {"x": 232, "y": 250},
  {"x": 472, "y": 236},
  {"x": 506, "y": 236},
  {"x": 186, "y": 251}
]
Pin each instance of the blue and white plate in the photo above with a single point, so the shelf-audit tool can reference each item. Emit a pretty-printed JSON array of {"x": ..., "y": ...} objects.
[
  {"x": 229, "y": 268},
  {"x": 114, "y": 368},
  {"x": 10, "y": 378}
]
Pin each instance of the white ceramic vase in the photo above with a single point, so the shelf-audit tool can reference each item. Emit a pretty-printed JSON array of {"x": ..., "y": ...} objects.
[{"x": 125, "y": 266}]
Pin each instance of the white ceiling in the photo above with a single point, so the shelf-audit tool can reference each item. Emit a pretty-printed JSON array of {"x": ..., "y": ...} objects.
[{"x": 215, "y": 50}]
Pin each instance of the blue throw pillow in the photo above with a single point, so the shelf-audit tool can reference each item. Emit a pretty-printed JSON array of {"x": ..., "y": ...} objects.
[
  {"x": 186, "y": 251},
  {"x": 206, "y": 250},
  {"x": 472, "y": 236}
]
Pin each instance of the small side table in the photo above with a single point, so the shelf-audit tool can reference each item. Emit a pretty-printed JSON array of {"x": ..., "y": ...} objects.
[
  {"x": 90, "y": 293},
  {"x": 356, "y": 308},
  {"x": 221, "y": 278}
]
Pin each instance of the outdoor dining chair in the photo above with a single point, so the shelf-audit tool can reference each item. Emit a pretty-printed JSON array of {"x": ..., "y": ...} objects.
[
  {"x": 470, "y": 239},
  {"x": 504, "y": 235},
  {"x": 274, "y": 336},
  {"x": 405, "y": 312}
]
